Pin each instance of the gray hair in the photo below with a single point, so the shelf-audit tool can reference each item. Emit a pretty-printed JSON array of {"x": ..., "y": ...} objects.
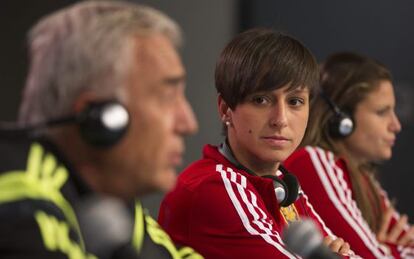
[{"x": 85, "y": 47}]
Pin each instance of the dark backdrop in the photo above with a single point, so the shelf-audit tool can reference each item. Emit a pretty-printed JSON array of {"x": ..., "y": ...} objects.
[{"x": 381, "y": 29}]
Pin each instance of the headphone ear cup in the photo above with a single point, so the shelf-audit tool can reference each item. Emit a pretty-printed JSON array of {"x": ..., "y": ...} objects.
[
  {"x": 341, "y": 125},
  {"x": 103, "y": 124},
  {"x": 292, "y": 184},
  {"x": 281, "y": 190}
]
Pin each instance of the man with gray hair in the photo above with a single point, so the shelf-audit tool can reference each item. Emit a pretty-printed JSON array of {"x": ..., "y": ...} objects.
[{"x": 103, "y": 112}]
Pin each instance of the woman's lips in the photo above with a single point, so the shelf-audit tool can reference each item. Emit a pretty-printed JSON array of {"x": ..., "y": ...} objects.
[{"x": 276, "y": 141}]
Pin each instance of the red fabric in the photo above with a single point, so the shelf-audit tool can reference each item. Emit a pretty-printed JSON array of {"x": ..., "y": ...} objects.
[
  {"x": 224, "y": 212},
  {"x": 325, "y": 179}
]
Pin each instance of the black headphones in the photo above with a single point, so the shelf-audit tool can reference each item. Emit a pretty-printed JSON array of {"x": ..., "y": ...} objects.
[
  {"x": 341, "y": 125},
  {"x": 101, "y": 124},
  {"x": 286, "y": 190}
]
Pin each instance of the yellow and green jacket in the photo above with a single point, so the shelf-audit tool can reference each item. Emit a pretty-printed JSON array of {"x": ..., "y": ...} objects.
[{"x": 39, "y": 194}]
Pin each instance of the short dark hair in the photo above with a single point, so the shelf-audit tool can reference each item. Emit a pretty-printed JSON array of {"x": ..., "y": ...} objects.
[{"x": 262, "y": 60}]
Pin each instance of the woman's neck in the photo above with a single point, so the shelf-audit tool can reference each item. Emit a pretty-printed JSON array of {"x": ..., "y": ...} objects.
[
  {"x": 359, "y": 162},
  {"x": 252, "y": 162}
]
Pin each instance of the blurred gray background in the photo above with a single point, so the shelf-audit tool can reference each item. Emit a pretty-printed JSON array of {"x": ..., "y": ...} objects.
[{"x": 379, "y": 28}]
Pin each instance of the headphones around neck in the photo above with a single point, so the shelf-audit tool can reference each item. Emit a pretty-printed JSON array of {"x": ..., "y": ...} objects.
[
  {"x": 101, "y": 124},
  {"x": 341, "y": 125},
  {"x": 286, "y": 189}
]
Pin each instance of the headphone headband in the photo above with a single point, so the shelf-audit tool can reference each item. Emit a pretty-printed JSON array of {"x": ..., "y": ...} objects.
[
  {"x": 341, "y": 125},
  {"x": 101, "y": 123},
  {"x": 330, "y": 103},
  {"x": 286, "y": 190}
]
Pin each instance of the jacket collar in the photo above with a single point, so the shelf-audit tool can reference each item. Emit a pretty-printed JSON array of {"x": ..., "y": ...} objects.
[{"x": 263, "y": 186}]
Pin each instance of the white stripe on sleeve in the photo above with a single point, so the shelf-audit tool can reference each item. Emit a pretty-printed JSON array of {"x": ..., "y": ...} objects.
[
  {"x": 269, "y": 234},
  {"x": 329, "y": 188}
]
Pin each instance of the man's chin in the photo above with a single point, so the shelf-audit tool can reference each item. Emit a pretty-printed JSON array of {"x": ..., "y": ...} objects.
[{"x": 165, "y": 181}]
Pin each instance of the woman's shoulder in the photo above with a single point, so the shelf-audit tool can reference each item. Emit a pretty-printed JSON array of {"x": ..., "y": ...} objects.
[
  {"x": 313, "y": 149},
  {"x": 308, "y": 160},
  {"x": 308, "y": 153}
]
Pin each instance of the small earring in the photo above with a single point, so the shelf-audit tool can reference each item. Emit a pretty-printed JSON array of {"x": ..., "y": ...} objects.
[{"x": 227, "y": 123}]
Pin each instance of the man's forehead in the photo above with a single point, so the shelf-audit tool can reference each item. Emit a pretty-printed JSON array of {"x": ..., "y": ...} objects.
[
  {"x": 152, "y": 44},
  {"x": 158, "y": 50}
]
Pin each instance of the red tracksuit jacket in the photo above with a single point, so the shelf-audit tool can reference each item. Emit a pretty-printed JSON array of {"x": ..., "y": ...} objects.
[
  {"x": 325, "y": 179},
  {"x": 224, "y": 212}
]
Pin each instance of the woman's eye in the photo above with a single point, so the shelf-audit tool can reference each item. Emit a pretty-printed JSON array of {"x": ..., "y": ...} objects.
[
  {"x": 260, "y": 100},
  {"x": 296, "y": 101},
  {"x": 383, "y": 112}
]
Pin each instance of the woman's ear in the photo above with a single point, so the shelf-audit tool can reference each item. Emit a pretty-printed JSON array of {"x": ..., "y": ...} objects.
[{"x": 223, "y": 108}]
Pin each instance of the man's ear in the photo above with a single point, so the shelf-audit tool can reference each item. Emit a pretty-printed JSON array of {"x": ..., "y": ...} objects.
[{"x": 82, "y": 101}]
